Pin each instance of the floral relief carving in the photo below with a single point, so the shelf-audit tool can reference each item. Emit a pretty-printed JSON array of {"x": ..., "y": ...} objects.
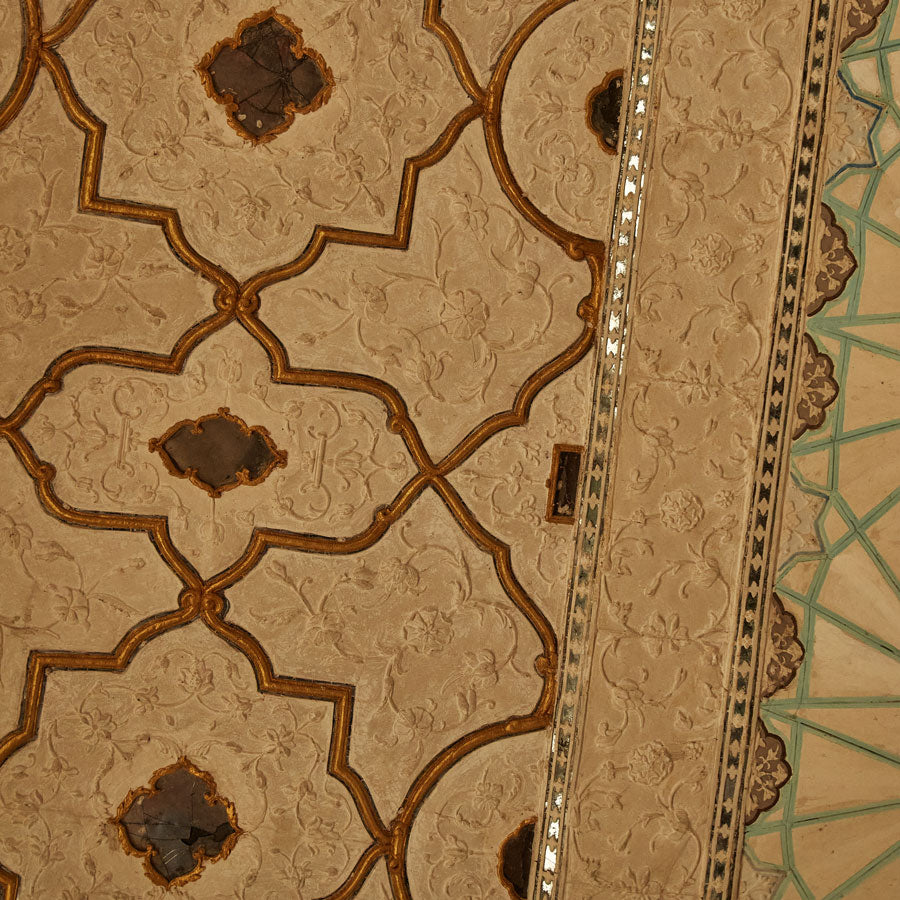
[
  {"x": 421, "y": 681},
  {"x": 474, "y": 809},
  {"x": 348, "y": 475},
  {"x": 799, "y": 533},
  {"x": 83, "y": 430},
  {"x": 759, "y": 883},
  {"x": 687, "y": 432},
  {"x": 816, "y": 390},
  {"x": 333, "y": 466},
  {"x": 505, "y": 484},
  {"x": 485, "y": 26},
  {"x": 122, "y": 282},
  {"x": 767, "y": 772},
  {"x": 458, "y": 341},
  {"x": 185, "y": 694},
  {"x": 680, "y": 510},
  {"x": 65, "y": 587},
  {"x": 850, "y": 123},
  {"x": 172, "y": 145},
  {"x": 552, "y": 151}
]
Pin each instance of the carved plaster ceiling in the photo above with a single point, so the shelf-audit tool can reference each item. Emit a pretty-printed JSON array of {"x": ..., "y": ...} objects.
[{"x": 448, "y": 449}]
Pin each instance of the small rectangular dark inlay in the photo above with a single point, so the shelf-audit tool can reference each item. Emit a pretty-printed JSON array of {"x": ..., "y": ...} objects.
[{"x": 563, "y": 483}]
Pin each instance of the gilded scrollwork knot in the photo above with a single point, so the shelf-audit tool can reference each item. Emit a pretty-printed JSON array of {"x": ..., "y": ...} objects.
[
  {"x": 212, "y": 604},
  {"x": 225, "y": 298},
  {"x": 588, "y": 309},
  {"x": 45, "y": 472},
  {"x": 248, "y": 303},
  {"x": 546, "y": 664},
  {"x": 190, "y": 601}
]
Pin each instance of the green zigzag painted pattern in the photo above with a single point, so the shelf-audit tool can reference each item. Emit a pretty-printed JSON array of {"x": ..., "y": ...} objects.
[{"x": 835, "y": 831}]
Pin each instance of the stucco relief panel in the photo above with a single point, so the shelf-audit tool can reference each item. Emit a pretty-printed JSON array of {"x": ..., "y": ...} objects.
[
  {"x": 341, "y": 461},
  {"x": 185, "y": 694},
  {"x": 711, "y": 228},
  {"x": 70, "y": 279},
  {"x": 247, "y": 207},
  {"x": 459, "y": 321}
]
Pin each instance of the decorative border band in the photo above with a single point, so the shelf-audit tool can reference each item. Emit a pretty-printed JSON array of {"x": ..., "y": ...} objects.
[
  {"x": 610, "y": 363},
  {"x": 737, "y": 735}
]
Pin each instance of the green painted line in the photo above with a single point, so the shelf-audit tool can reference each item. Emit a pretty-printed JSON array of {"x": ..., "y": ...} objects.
[
  {"x": 834, "y": 815},
  {"x": 855, "y": 880},
  {"x": 884, "y": 701},
  {"x": 838, "y": 737}
]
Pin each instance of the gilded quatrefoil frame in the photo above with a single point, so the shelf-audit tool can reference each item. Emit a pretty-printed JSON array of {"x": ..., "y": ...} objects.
[{"x": 234, "y": 300}]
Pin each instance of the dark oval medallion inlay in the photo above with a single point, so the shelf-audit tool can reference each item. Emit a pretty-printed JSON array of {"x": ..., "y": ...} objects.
[
  {"x": 264, "y": 75},
  {"x": 178, "y": 824},
  {"x": 219, "y": 452},
  {"x": 604, "y": 107}
]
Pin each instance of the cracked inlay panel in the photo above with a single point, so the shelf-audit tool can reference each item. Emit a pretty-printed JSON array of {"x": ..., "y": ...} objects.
[
  {"x": 178, "y": 824},
  {"x": 219, "y": 452},
  {"x": 265, "y": 75}
]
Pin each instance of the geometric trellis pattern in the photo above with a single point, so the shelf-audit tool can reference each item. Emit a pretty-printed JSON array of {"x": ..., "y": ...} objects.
[
  {"x": 835, "y": 831},
  {"x": 240, "y": 307}
]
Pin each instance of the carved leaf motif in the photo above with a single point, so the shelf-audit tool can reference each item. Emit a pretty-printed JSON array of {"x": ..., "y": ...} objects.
[{"x": 862, "y": 17}]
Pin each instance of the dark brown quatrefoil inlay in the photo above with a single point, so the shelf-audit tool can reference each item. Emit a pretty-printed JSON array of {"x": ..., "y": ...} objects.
[
  {"x": 178, "y": 824},
  {"x": 264, "y": 75},
  {"x": 219, "y": 452}
]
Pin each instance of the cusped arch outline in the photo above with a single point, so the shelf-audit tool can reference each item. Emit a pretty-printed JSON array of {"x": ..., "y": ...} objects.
[{"x": 209, "y": 608}]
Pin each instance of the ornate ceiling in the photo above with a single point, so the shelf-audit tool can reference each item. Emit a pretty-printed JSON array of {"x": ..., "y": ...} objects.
[{"x": 447, "y": 449}]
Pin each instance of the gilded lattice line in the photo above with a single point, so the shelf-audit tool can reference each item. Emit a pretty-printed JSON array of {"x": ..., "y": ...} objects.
[{"x": 239, "y": 301}]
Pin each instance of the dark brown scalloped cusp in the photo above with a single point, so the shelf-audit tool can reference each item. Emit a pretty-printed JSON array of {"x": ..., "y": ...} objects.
[
  {"x": 264, "y": 75},
  {"x": 219, "y": 452}
]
